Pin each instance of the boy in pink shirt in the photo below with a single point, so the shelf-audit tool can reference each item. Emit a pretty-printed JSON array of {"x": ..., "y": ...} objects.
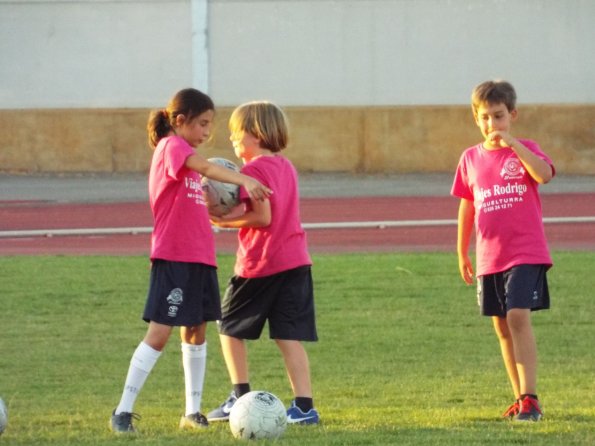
[
  {"x": 497, "y": 182},
  {"x": 273, "y": 280}
]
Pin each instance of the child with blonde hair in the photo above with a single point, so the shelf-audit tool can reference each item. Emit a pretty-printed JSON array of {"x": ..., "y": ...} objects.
[{"x": 273, "y": 280}]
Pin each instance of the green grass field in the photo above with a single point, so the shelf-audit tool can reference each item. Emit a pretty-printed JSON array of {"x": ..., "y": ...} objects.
[{"x": 403, "y": 358}]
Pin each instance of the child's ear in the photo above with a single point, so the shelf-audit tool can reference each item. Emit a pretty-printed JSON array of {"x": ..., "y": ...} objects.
[
  {"x": 180, "y": 119},
  {"x": 514, "y": 114},
  {"x": 475, "y": 118}
]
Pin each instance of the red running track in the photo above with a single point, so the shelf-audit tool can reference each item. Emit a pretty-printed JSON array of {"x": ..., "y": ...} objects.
[{"x": 24, "y": 215}]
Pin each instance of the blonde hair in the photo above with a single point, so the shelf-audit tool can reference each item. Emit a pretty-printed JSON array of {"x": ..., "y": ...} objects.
[
  {"x": 263, "y": 120},
  {"x": 493, "y": 92}
]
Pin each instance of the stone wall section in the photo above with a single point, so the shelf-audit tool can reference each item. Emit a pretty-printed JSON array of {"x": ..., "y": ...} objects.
[{"x": 400, "y": 139}]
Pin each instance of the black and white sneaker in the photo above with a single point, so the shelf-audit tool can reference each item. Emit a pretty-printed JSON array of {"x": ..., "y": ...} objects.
[
  {"x": 222, "y": 412},
  {"x": 122, "y": 422},
  {"x": 194, "y": 421}
]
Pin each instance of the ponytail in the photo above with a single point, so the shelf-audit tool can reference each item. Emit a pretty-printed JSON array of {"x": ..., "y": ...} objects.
[{"x": 158, "y": 126}]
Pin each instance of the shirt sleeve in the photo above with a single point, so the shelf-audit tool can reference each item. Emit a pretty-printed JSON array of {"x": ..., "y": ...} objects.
[
  {"x": 176, "y": 152},
  {"x": 460, "y": 186},
  {"x": 253, "y": 171},
  {"x": 534, "y": 147}
]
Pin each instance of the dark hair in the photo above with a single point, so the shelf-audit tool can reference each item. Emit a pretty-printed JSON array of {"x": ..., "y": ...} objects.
[
  {"x": 493, "y": 92},
  {"x": 188, "y": 102}
]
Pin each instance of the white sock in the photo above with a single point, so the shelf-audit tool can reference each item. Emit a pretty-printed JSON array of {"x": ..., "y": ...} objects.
[
  {"x": 194, "y": 359},
  {"x": 141, "y": 364}
]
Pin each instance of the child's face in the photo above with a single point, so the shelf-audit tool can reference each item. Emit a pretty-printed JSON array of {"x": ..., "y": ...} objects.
[
  {"x": 245, "y": 145},
  {"x": 494, "y": 118},
  {"x": 198, "y": 129}
]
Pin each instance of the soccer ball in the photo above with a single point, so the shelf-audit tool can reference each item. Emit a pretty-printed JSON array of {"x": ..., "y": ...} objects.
[
  {"x": 257, "y": 414},
  {"x": 3, "y": 416},
  {"x": 221, "y": 198}
]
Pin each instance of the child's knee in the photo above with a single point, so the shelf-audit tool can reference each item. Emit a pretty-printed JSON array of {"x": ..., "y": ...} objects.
[
  {"x": 518, "y": 319},
  {"x": 501, "y": 327}
]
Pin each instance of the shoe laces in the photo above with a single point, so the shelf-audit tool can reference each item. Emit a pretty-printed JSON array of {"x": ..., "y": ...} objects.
[
  {"x": 230, "y": 399},
  {"x": 514, "y": 409},
  {"x": 128, "y": 417}
]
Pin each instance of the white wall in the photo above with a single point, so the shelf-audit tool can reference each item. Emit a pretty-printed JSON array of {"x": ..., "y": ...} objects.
[
  {"x": 93, "y": 53},
  {"x": 385, "y": 52},
  {"x": 136, "y": 53}
]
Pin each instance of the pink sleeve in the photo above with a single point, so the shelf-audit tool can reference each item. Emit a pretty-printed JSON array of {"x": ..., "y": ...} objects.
[
  {"x": 252, "y": 171},
  {"x": 534, "y": 147},
  {"x": 461, "y": 187},
  {"x": 176, "y": 152}
]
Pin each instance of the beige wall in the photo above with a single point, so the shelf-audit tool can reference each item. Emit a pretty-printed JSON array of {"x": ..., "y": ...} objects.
[{"x": 400, "y": 139}]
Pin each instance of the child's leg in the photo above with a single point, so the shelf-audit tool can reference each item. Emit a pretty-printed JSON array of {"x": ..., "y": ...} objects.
[
  {"x": 525, "y": 349},
  {"x": 195, "y": 335},
  {"x": 157, "y": 335},
  {"x": 143, "y": 360},
  {"x": 236, "y": 358},
  {"x": 297, "y": 366},
  {"x": 507, "y": 348},
  {"x": 194, "y": 360}
]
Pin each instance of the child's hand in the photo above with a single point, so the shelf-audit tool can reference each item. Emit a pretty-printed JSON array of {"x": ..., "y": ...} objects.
[
  {"x": 501, "y": 138},
  {"x": 466, "y": 269},
  {"x": 256, "y": 190}
]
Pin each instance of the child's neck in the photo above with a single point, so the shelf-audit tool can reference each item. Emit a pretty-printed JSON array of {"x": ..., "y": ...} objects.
[
  {"x": 257, "y": 153},
  {"x": 491, "y": 147}
]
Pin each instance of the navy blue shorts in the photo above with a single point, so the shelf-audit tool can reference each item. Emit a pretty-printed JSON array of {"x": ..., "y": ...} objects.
[
  {"x": 522, "y": 286},
  {"x": 285, "y": 299},
  {"x": 182, "y": 294}
]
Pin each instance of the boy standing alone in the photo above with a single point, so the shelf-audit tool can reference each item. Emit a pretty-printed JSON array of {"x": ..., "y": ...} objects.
[{"x": 497, "y": 182}]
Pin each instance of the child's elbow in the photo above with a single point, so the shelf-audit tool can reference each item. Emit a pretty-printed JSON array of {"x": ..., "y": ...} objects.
[
  {"x": 548, "y": 175},
  {"x": 264, "y": 221},
  {"x": 260, "y": 221}
]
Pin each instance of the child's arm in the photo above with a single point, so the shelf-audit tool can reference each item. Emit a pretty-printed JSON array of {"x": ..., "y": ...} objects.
[
  {"x": 538, "y": 168},
  {"x": 255, "y": 189},
  {"x": 258, "y": 216},
  {"x": 465, "y": 226}
]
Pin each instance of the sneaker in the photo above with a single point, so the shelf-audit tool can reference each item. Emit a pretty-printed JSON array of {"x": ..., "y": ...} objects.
[
  {"x": 194, "y": 421},
  {"x": 122, "y": 422},
  {"x": 513, "y": 410},
  {"x": 296, "y": 416},
  {"x": 222, "y": 412},
  {"x": 530, "y": 410}
]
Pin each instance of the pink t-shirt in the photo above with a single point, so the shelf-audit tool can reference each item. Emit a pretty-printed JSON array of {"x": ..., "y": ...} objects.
[
  {"x": 182, "y": 229},
  {"x": 508, "y": 219},
  {"x": 282, "y": 245}
]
